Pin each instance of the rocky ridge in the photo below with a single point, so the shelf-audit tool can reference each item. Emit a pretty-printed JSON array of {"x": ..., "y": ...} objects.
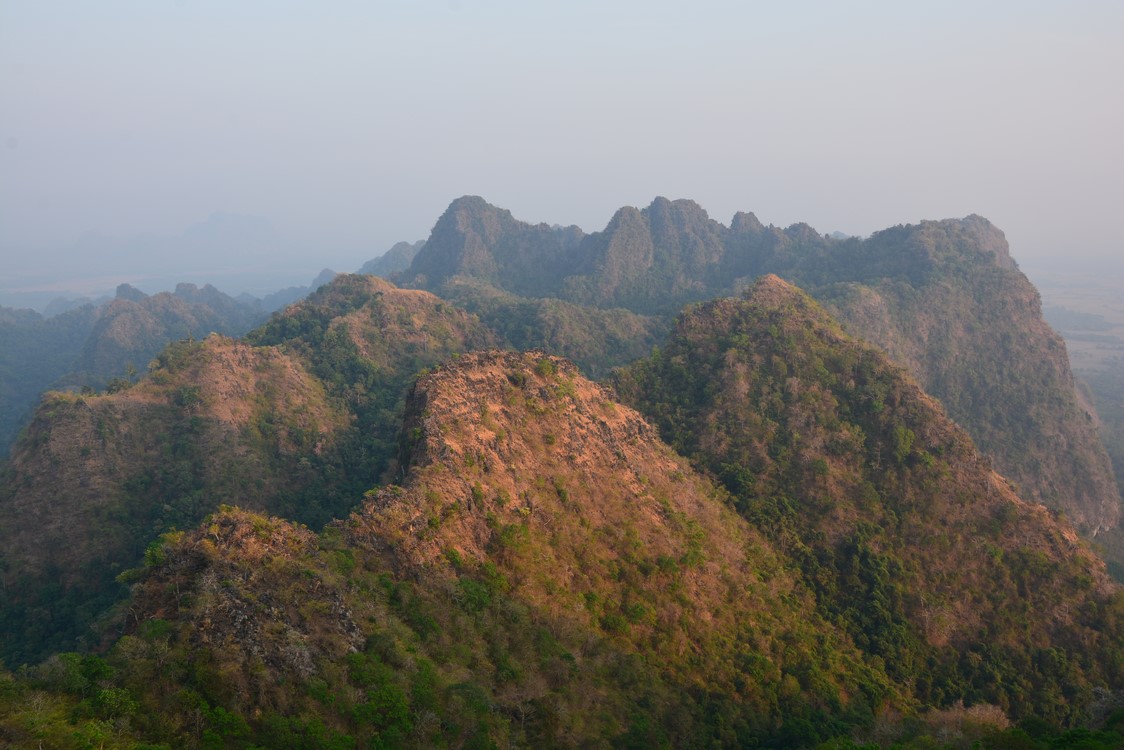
[{"x": 944, "y": 298}]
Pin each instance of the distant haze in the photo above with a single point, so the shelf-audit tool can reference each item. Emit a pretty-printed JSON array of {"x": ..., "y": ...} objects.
[{"x": 321, "y": 134}]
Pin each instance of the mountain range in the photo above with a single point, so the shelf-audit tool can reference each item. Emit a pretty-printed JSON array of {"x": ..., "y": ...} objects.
[{"x": 843, "y": 507}]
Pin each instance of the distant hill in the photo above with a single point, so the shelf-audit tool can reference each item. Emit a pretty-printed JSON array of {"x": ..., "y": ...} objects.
[
  {"x": 94, "y": 345},
  {"x": 34, "y": 353},
  {"x": 289, "y": 295},
  {"x": 474, "y": 238},
  {"x": 394, "y": 261},
  {"x": 134, "y": 327},
  {"x": 595, "y": 339}
]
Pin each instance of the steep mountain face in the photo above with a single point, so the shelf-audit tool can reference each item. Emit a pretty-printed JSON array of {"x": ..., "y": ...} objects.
[
  {"x": 974, "y": 335},
  {"x": 299, "y": 422},
  {"x": 924, "y": 555},
  {"x": 649, "y": 261},
  {"x": 944, "y": 298}
]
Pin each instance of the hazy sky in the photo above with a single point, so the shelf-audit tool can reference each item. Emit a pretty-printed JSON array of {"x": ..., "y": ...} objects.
[{"x": 351, "y": 125}]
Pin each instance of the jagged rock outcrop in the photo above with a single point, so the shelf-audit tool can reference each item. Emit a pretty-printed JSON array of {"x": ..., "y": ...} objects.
[
  {"x": 249, "y": 597},
  {"x": 474, "y": 238}
]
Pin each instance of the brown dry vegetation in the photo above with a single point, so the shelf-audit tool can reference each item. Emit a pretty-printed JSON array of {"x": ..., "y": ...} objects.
[{"x": 517, "y": 461}]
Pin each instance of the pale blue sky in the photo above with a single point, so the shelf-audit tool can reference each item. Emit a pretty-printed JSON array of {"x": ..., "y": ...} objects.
[{"x": 351, "y": 125}]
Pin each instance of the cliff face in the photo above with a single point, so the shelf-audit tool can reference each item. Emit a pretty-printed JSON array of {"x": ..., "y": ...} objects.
[
  {"x": 898, "y": 524},
  {"x": 649, "y": 260},
  {"x": 974, "y": 336}
]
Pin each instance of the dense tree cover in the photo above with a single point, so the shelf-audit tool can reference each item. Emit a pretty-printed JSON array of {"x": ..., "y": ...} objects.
[
  {"x": 885, "y": 508},
  {"x": 594, "y": 339}
]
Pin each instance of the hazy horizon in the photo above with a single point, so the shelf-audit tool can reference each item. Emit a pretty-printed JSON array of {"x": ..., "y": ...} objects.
[{"x": 333, "y": 132}]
